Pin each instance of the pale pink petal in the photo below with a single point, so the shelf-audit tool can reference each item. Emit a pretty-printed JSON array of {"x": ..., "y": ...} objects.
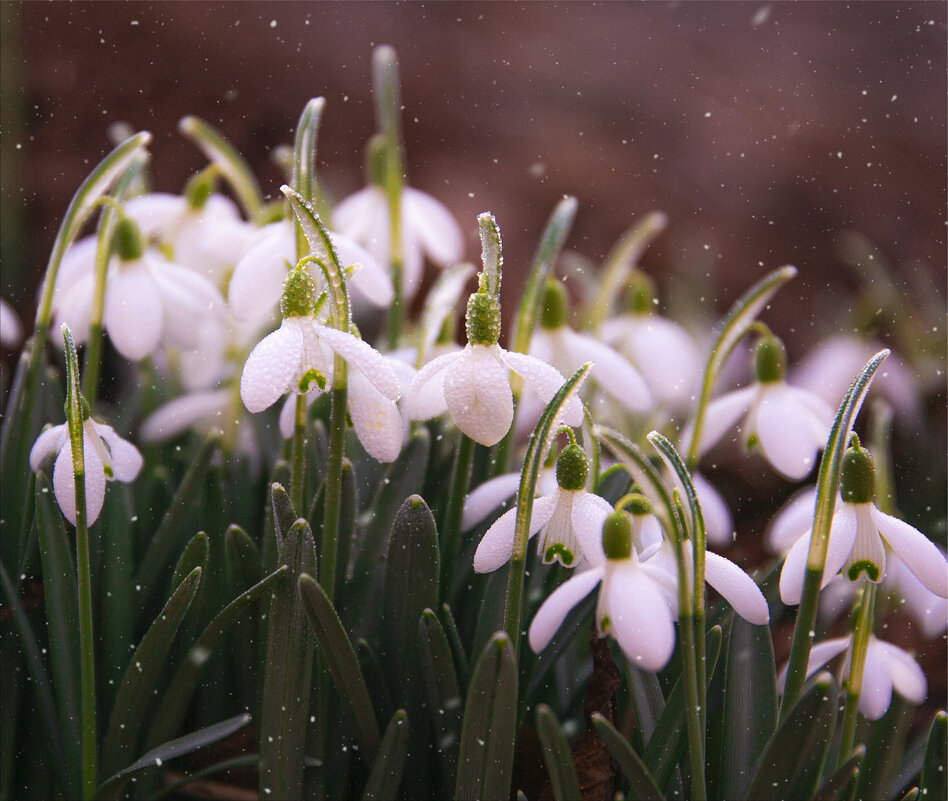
[
  {"x": 876, "y": 692},
  {"x": 722, "y": 415},
  {"x": 785, "y": 433},
  {"x": 929, "y": 611},
  {"x": 718, "y": 523},
  {"x": 917, "y": 552},
  {"x": 666, "y": 356},
  {"x": 133, "y": 313},
  {"x": 793, "y": 520},
  {"x": 588, "y": 515},
  {"x": 639, "y": 618},
  {"x": 478, "y": 395},
  {"x": 126, "y": 460},
  {"x": 906, "y": 675},
  {"x": 64, "y": 485},
  {"x": 841, "y": 538},
  {"x": 496, "y": 546},
  {"x": 271, "y": 366},
  {"x": 75, "y": 309},
  {"x": 50, "y": 441},
  {"x": 610, "y": 370},
  {"x": 546, "y": 381},
  {"x": 737, "y": 588},
  {"x": 482, "y": 500},
  {"x": 558, "y": 605},
  {"x": 10, "y": 330},
  {"x": 182, "y": 413},
  {"x": 820, "y": 654},
  {"x": 78, "y": 262}
]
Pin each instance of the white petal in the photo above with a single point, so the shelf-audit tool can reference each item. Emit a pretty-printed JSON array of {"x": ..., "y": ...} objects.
[
  {"x": 426, "y": 393},
  {"x": 78, "y": 263},
  {"x": 907, "y": 677},
  {"x": 355, "y": 215},
  {"x": 929, "y": 611},
  {"x": 735, "y": 586},
  {"x": 126, "y": 460},
  {"x": 785, "y": 432},
  {"x": 792, "y": 521},
  {"x": 10, "y": 329},
  {"x": 271, "y": 366},
  {"x": 478, "y": 395},
  {"x": 133, "y": 313},
  {"x": 482, "y": 500},
  {"x": 666, "y": 356},
  {"x": 718, "y": 523},
  {"x": 820, "y": 654},
  {"x": 639, "y": 618},
  {"x": 646, "y": 532},
  {"x": 496, "y": 546},
  {"x": 917, "y": 552},
  {"x": 182, "y": 413},
  {"x": 610, "y": 370},
  {"x": 64, "y": 484},
  {"x": 722, "y": 415},
  {"x": 75, "y": 308},
  {"x": 551, "y": 615},
  {"x": 188, "y": 299},
  {"x": 435, "y": 227},
  {"x": 155, "y": 212},
  {"x": 257, "y": 281},
  {"x": 50, "y": 441},
  {"x": 371, "y": 280},
  {"x": 841, "y": 538},
  {"x": 589, "y": 513},
  {"x": 545, "y": 381},
  {"x": 876, "y": 692},
  {"x": 364, "y": 358},
  {"x": 375, "y": 418}
]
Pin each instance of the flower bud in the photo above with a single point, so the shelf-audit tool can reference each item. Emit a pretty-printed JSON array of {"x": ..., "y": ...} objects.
[
  {"x": 483, "y": 319},
  {"x": 299, "y": 294},
  {"x": 638, "y": 505},
  {"x": 617, "y": 536},
  {"x": 127, "y": 240},
  {"x": 199, "y": 189},
  {"x": 555, "y": 305},
  {"x": 857, "y": 479},
  {"x": 770, "y": 359},
  {"x": 572, "y": 469}
]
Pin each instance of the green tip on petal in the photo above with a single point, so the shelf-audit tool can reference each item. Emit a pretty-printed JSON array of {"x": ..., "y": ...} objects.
[
  {"x": 127, "y": 240},
  {"x": 863, "y": 566},
  {"x": 555, "y": 305},
  {"x": 857, "y": 479},
  {"x": 559, "y": 552},
  {"x": 483, "y": 319},
  {"x": 299, "y": 294},
  {"x": 617, "y": 536},
  {"x": 770, "y": 359},
  {"x": 640, "y": 294},
  {"x": 572, "y": 468}
]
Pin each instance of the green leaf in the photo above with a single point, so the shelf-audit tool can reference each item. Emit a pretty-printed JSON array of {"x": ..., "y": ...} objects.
[
  {"x": 912, "y": 795},
  {"x": 62, "y": 622},
  {"x": 648, "y": 702},
  {"x": 245, "y": 761},
  {"x": 383, "y": 781},
  {"x": 167, "y": 538},
  {"x": 885, "y": 747},
  {"x": 457, "y": 646},
  {"x": 112, "y": 787},
  {"x": 243, "y": 558},
  {"x": 841, "y": 784},
  {"x": 932, "y": 781},
  {"x": 194, "y": 555},
  {"x": 284, "y": 515},
  {"x": 665, "y": 746},
  {"x": 341, "y": 660},
  {"x": 118, "y": 586},
  {"x": 444, "y": 695},
  {"x": 557, "y": 756},
  {"x": 750, "y": 704},
  {"x": 136, "y": 691},
  {"x": 304, "y": 147},
  {"x": 244, "y": 569},
  {"x": 40, "y": 681},
  {"x": 791, "y": 763},
  {"x": 643, "y": 785},
  {"x": 175, "y": 700},
  {"x": 288, "y": 669},
  {"x": 485, "y": 763},
  {"x": 233, "y": 167}
]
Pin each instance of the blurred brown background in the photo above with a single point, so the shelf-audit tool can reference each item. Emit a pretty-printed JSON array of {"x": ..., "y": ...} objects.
[{"x": 761, "y": 129}]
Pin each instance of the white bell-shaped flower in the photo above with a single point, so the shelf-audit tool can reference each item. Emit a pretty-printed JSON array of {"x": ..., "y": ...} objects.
[
  {"x": 859, "y": 536},
  {"x": 887, "y": 667},
  {"x": 10, "y": 330},
  {"x": 570, "y": 518},
  {"x": 499, "y": 491},
  {"x": 787, "y": 424},
  {"x": 427, "y": 229},
  {"x": 106, "y": 456}
]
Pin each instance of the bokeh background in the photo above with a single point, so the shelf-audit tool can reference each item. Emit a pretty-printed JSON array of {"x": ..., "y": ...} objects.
[{"x": 765, "y": 131}]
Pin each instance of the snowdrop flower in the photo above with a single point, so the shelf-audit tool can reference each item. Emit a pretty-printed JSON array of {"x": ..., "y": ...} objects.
[
  {"x": 570, "y": 517},
  {"x": 481, "y": 501},
  {"x": 256, "y": 284},
  {"x": 473, "y": 384},
  {"x": 149, "y": 301},
  {"x": 887, "y": 667},
  {"x": 556, "y": 343},
  {"x": 299, "y": 356},
  {"x": 634, "y": 600},
  {"x": 10, "y": 331},
  {"x": 427, "y": 229},
  {"x": 859, "y": 535},
  {"x": 106, "y": 456},
  {"x": 661, "y": 349},
  {"x": 788, "y": 424},
  {"x": 202, "y": 230}
]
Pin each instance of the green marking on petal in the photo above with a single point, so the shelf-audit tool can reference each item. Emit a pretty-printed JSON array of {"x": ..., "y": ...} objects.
[
  {"x": 309, "y": 377},
  {"x": 752, "y": 442},
  {"x": 864, "y": 566},
  {"x": 558, "y": 552},
  {"x": 108, "y": 471}
]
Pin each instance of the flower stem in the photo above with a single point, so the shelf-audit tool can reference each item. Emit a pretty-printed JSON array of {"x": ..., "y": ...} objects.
[
  {"x": 857, "y": 663},
  {"x": 337, "y": 446},
  {"x": 451, "y": 525},
  {"x": 298, "y": 474},
  {"x": 695, "y": 717}
]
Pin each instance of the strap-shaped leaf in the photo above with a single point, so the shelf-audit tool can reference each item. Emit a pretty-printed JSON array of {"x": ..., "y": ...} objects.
[
  {"x": 648, "y": 702},
  {"x": 386, "y": 775},
  {"x": 557, "y": 756},
  {"x": 444, "y": 694},
  {"x": 167, "y": 538},
  {"x": 457, "y": 646},
  {"x": 243, "y": 558},
  {"x": 791, "y": 763},
  {"x": 840, "y": 786},
  {"x": 194, "y": 555},
  {"x": 643, "y": 784},
  {"x": 62, "y": 622},
  {"x": 665, "y": 746},
  {"x": 284, "y": 515},
  {"x": 750, "y": 704},
  {"x": 933, "y": 778},
  {"x": 144, "y": 669},
  {"x": 118, "y": 586},
  {"x": 485, "y": 762},
  {"x": 175, "y": 700},
  {"x": 112, "y": 787},
  {"x": 343, "y": 665},
  {"x": 878, "y": 776},
  {"x": 288, "y": 670},
  {"x": 171, "y": 789}
]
